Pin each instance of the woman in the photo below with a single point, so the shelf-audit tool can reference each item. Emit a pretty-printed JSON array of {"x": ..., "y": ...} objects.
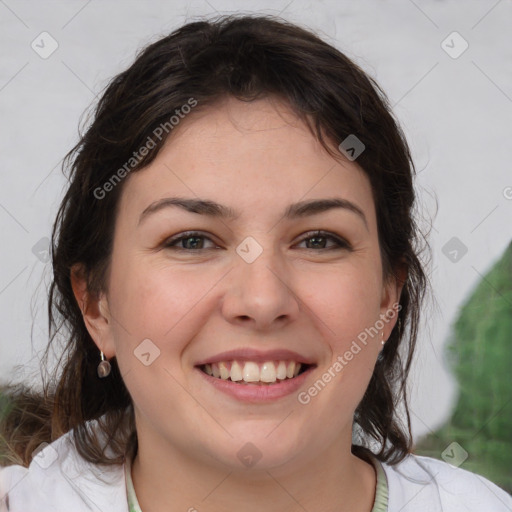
[{"x": 236, "y": 265}]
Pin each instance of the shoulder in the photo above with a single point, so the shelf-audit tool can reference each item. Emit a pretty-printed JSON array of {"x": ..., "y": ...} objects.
[
  {"x": 425, "y": 484},
  {"x": 59, "y": 480}
]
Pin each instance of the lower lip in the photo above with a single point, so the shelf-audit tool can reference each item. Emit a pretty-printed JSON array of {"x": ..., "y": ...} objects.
[{"x": 258, "y": 393}]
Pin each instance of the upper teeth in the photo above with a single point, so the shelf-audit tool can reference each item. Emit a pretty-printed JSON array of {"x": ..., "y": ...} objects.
[{"x": 250, "y": 371}]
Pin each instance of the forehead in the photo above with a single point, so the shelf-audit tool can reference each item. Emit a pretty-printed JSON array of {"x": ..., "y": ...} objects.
[{"x": 252, "y": 156}]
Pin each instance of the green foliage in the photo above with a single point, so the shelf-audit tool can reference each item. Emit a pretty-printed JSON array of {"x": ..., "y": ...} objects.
[
  {"x": 5, "y": 408},
  {"x": 480, "y": 352}
]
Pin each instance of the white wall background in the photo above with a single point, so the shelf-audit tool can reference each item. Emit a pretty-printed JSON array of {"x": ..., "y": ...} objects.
[{"x": 456, "y": 112}]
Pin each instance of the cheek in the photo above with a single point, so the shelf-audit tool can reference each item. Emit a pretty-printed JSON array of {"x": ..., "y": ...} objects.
[
  {"x": 159, "y": 303},
  {"x": 346, "y": 306},
  {"x": 345, "y": 300}
]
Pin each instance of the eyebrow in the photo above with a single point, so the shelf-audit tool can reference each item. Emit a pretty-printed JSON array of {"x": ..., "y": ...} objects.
[{"x": 213, "y": 209}]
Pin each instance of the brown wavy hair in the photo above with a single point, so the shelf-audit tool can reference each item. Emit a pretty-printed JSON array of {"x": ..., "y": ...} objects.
[{"x": 246, "y": 57}]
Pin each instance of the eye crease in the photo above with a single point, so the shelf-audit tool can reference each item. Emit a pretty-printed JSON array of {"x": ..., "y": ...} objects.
[{"x": 319, "y": 237}]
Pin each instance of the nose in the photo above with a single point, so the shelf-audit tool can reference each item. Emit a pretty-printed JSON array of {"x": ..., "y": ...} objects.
[{"x": 260, "y": 294}]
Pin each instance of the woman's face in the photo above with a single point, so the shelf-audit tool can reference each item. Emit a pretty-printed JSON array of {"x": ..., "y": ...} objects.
[{"x": 250, "y": 292}]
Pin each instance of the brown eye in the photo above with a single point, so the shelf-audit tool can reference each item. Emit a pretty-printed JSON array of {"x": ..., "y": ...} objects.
[
  {"x": 190, "y": 241},
  {"x": 321, "y": 239}
]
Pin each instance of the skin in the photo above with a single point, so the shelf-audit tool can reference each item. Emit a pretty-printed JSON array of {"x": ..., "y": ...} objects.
[{"x": 256, "y": 158}]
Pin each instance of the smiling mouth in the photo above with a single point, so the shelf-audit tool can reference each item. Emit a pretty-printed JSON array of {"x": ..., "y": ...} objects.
[{"x": 253, "y": 373}]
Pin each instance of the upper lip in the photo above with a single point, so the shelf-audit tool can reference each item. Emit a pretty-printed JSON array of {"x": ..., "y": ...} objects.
[{"x": 258, "y": 356}]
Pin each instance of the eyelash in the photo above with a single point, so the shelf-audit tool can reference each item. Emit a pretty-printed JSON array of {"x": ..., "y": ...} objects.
[{"x": 340, "y": 242}]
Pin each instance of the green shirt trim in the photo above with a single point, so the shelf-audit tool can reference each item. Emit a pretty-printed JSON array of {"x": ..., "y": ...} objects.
[
  {"x": 381, "y": 492},
  {"x": 133, "y": 504}
]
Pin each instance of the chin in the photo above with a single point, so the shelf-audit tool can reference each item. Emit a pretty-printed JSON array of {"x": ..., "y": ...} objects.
[{"x": 259, "y": 450}]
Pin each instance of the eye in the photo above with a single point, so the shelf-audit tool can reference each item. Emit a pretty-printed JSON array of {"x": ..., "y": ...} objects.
[
  {"x": 320, "y": 239},
  {"x": 195, "y": 241},
  {"x": 190, "y": 241}
]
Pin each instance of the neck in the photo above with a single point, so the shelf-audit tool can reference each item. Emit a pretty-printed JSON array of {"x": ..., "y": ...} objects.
[{"x": 334, "y": 480}]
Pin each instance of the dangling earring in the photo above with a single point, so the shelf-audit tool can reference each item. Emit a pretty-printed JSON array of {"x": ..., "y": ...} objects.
[
  {"x": 382, "y": 342},
  {"x": 104, "y": 367}
]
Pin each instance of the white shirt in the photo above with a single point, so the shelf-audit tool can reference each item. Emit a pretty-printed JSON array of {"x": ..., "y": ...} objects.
[{"x": 60, "y": 480}]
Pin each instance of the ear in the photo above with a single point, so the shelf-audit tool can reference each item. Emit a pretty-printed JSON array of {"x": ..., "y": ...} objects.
[
  {"x": 391, "y": 291},
  {"x": 95, "y": 312}
]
